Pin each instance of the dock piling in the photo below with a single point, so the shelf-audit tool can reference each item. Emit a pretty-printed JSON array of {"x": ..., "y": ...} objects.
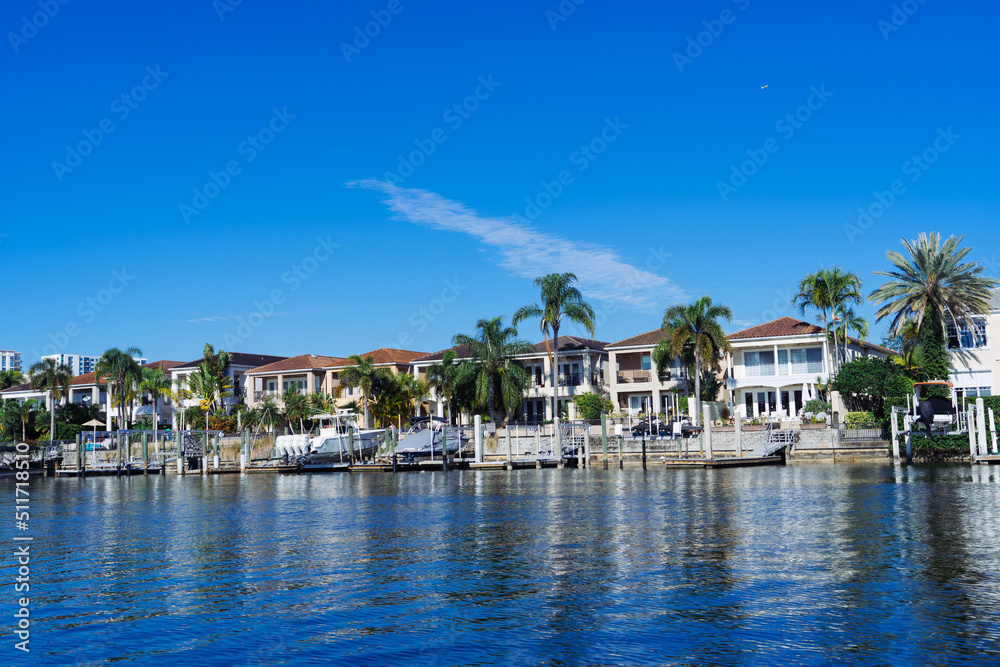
[
  {"x": 707, "y": 421},
  {"x": 180, "y": 452},
  {"x": 738, "y": 423},
  {"x": 444, "y": 448},
  {"x": 585, "y": 461},
  {"x": 621, "y": 446},
  {"x": 350, "y": 445},
  {"x": 477, "y": 422},
  {"x": 981, "y": 426},
  {"x": 604, "y": 438},
  {"x": 993, "y": 431},
  {"x": 510, "y": 456},
  {"x": 215, "y": 451},
  {"x": 145, "y": 454}
]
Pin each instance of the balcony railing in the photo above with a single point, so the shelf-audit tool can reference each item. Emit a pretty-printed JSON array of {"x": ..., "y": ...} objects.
[{"x": 570, "y": 379}]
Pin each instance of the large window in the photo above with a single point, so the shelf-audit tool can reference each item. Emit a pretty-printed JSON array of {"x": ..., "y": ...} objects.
[
  {"x": 794, "y": 361},
  {"x": 759, "y": 363},
  {"x": 969, "y": 335}
]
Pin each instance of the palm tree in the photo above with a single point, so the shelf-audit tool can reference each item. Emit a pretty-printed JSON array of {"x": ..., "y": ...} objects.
[
  {"x": 11, "y": 378},
  {"x": 695, "y": 327},
  {"x": 411, "y": 389},
  {"x": 120, "y": 371},
  {"x": 846, "y": 320},
  {"x": 441, "y": 378},
  {"x": 833, "y": 290},
  {"x": 296, "y": 407},
  {"x": 933, "y": 286},
  {"x": 369, "y": 377},
  {"x": 55, "y": 378},
  {"x": 155, "y": 384},
  {"x": 209, "y": 388},
  {"x": 494, "y": 368},
  {"x": 22, "y": 412},
  {"x": 560, "y": 299},
  {"x": 216, "y": 363}
]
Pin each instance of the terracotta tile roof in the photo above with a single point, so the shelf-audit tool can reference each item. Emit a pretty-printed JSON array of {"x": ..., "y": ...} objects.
[
  {"x": 165, "y": 365},
  {"x": 649, "y": 338},
  {"x": 86, "y": 378},
  {"x": 388, "y": 355},
  {"x": 784, "y": 326},
  {"x": 300, "y": 363}
]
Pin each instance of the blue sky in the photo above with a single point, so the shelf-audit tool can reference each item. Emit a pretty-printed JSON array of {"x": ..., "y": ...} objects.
[{"x": 240, "y": 197}]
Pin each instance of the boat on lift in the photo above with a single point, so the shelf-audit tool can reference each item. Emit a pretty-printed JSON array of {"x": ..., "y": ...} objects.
[
  {"x": 424, "y": 438},
  {"x": 340, "y": 440}
]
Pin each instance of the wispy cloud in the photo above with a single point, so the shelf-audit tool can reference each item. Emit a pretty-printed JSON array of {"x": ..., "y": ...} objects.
[
  {"x": 527, "y": 252},
  {"x": 223, "y": 318}
]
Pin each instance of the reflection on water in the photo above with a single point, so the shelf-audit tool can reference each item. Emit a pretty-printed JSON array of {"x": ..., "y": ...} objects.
[{"x": 804, "y": 565}]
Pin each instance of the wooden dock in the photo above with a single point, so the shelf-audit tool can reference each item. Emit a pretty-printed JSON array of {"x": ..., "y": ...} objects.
[
  {"x": 988, "y": 459},
  {"x": 106, "y": 472}
]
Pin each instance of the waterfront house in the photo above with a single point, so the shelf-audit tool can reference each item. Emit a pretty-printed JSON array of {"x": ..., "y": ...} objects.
[
  {"x": 634, "y": 385},
  {"x": 775, "y": 367},
  {"x": 318, "y": 374},
  {"x": 974, "y": 353},
  {"x": 582, "y": 369},
  {"x": 239, "y": 364}
]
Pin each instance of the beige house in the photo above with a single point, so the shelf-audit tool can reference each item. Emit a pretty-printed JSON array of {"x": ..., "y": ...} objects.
[
  {"x": 318, "y": 374},
  {"x": 633, "y": 382},
  {"x": 975, "y": 354}
]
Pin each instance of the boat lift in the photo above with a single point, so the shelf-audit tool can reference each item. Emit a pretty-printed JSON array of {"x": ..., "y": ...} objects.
[{"x": 944, "y": 414}]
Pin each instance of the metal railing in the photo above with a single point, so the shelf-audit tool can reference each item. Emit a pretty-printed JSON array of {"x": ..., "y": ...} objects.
[
  {"x": 625, "y": 377},
  {"x": 879, "y": 433}
]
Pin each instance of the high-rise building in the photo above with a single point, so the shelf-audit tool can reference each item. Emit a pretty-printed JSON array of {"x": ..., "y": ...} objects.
[
  {"x": 10, "y": 360},
  {"x": 82, "y": 363}
]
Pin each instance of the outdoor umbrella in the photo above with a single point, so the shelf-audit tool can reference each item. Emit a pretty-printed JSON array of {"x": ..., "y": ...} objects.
[{"x": 95, "y": 423}]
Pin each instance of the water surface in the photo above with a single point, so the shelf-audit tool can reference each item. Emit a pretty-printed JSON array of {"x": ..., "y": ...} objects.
[{"x": 801, "y": 565}]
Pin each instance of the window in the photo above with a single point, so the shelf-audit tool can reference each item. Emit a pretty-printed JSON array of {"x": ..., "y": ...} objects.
[
  {"x": 646, "y": 362},
  {"x": 969, "y": 335},
  {"x": 759, "y": 363}
]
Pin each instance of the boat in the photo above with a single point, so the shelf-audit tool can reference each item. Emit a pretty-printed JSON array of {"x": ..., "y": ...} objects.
[
  {"x": 334, "y": 445},
  {"x": 423, "y": 439}
]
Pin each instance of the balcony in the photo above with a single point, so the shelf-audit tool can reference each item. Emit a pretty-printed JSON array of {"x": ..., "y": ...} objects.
[
  {"x": 259, "y": 395},
  {"x": 570, "y": 379},
  {"x": 627, "y": 377}
]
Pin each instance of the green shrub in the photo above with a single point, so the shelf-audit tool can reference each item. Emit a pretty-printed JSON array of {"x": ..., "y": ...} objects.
[
  {"x": 591, "y": 405},
  {"x": 684, "y": 404},
  {"x": 816, "y": 405},
  {"x": 864, "y": 383},
  {"x": 862, "y": 419},
  {"x": 936, "y": 446}
]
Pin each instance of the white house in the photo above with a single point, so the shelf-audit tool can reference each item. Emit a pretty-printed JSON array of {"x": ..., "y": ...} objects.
[
  {"x": 774, "y": 367},
  {"x": 239, "y": 364},
  {"x": 975, "y": 354}
]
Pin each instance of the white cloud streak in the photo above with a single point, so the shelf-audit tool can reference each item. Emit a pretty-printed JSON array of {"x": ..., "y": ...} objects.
[{"x": 528, "y": 253}]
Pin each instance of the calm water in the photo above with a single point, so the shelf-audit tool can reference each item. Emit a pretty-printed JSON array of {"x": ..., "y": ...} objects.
[{"x": 804, "y": 565}]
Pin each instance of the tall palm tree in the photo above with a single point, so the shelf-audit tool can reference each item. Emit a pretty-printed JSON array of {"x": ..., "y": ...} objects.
[
  {"x": 119, "y": 370},
  {"x": 411, "y": 390},
  {"x": 23, "y": 412},
  {"x": 155, "y": 384},
  {"x": 494, "y": 367},
  {"x": 560, "y": 299},
  {"x": 54, "y": 378},
  {"x": 932, "y": 286},
  {"x": 11, "y": 378},
  {"x": 695, "y": 327},
  {"x": 370, "y": 378},
  {"x": 216, "y": 363},
  {"x": 830, "y": 291}
]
